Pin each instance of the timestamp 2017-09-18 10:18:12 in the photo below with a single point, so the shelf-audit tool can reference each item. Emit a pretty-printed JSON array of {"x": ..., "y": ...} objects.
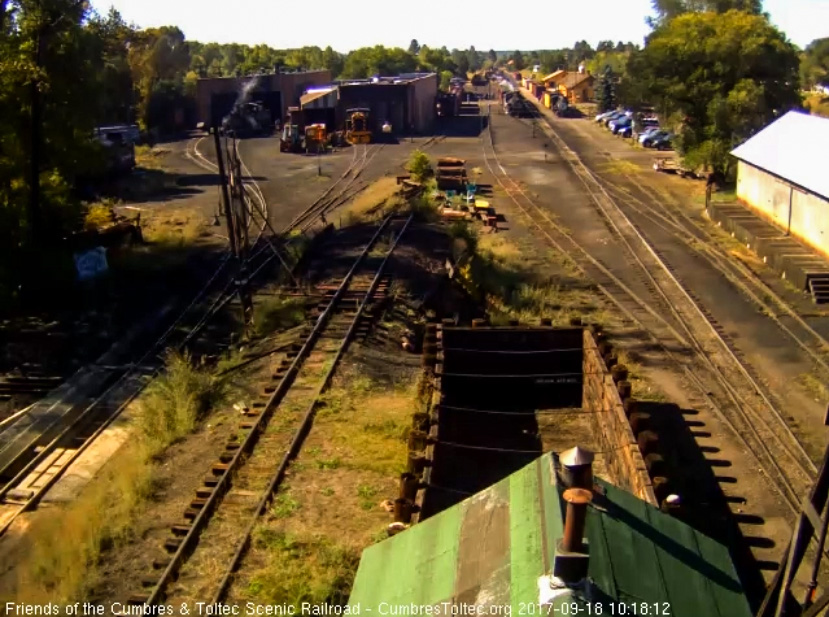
[{"x": 590, "y": 609}]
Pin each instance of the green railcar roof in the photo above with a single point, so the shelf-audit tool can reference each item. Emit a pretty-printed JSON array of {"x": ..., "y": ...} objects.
[{"x": 494, "y": 548}]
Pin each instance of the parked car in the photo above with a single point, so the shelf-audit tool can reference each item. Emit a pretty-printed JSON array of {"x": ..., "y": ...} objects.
[
  {"x": 647, "y": 133},
  {"x": 625, "y": 131},
  {"x": 650, "y": 139},
  {"x": 604, "y": 115},
  {"x": 665, "y": 142},
  {"x": 118, "y": 144},
  {"x": 619, "y": 123},
  {"x": 615, "y": 115}
]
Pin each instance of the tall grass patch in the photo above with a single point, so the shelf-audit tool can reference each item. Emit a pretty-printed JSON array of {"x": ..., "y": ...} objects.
[
  {"x": 65, "y": 544},
  {"x": 59, "y": 565},
  {"x": 278, "y": 313},
  {"x": 175, "y": 402}
]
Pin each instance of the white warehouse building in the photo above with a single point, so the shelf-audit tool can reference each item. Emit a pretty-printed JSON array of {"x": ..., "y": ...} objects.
[{"x": 783, "y": 175}]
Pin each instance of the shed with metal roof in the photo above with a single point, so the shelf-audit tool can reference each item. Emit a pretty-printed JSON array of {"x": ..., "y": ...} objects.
[
  {"x": 781, "y": 175},
  {"x": 496, "y": 551}
]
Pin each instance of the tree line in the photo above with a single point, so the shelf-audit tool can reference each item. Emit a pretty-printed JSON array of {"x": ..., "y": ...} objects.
[
  {"x": 717, "y": 71},
  {"x": 717, "y": 68}
]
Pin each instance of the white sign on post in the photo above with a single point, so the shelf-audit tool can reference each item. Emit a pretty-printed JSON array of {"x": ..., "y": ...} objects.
[{"x": 91, "y": 264}]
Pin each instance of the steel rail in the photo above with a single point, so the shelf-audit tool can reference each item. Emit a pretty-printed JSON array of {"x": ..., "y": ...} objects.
[
  {"x": 736, "y": 272},
  {"x": 783, "y": 485},
  {"x": 189, "y": 541},
  {"x": 133, "y": 371},
  {"x": 575, "y": 161},
  {"x": 304, "y": 428}
]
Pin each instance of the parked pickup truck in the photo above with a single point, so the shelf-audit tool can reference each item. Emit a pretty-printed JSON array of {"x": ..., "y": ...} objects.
[{"x": 675, "y": 166}]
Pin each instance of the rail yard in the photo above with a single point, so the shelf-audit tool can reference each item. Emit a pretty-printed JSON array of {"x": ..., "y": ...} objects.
[{"x": 396, "y": 351}]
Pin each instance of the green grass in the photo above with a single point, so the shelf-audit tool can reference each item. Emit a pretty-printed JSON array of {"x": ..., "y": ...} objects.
[
  {"x": 367, "y": 496},
  {"x": 149, "y": 158},
  {"x": 304, "y": 568},
  {"x": 284, "y": 505},
  {"x": 353, "y": 455},
  {"x": 727, "y": 196},
  {"x": 275, "y": 313},
  {"x": 175, "y": 402},
  {"x": 329, "y": 463},
  {"x": 642, "y": 389},
  {"x": 511, "y": 290},
  {"x": 297, "y": 246},
  {"x": 814, "y": 387},
  {"x": 67, "y": 543}
]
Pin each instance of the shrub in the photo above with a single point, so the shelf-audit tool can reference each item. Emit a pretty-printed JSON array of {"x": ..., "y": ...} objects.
[
  {"x": 176, "y": 401},
  {"x": 98, "y": 216},
  {"x": 419, "y": 165}
]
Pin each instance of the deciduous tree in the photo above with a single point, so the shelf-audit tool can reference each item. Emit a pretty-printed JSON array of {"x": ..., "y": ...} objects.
[
  {"x": 814, "y": 67},
  {"x": 666, "y": 10},
  {"x": 724, "y": 76}
]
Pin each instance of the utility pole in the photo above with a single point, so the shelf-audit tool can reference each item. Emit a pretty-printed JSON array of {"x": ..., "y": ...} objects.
[
  {"x": 243, "y": 246},
  {"x": 36, "y": 119},
  {"x": 225, "y": 195}
]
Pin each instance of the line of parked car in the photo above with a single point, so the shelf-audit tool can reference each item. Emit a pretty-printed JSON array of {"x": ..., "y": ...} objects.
[{"x": 647, "y": 130}]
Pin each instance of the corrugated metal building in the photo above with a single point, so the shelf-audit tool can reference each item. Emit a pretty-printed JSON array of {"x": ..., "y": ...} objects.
[
  {"x": 496, "y": 551},
  {"x": 216, "y": 96},
  {"x": 782, "y": 175}
]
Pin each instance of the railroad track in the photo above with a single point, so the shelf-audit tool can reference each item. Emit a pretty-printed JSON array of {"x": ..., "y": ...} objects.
[
  {"x": 27, "y": 384},
  {"x": 690, "y": 233},
  {"x": 44, "y": 459},
  {"x": 36, "y": 457},
  {"x": 217, "y": 525},
  {"x": 257, "y": 205},
  {"x": 656, "y": 301}
]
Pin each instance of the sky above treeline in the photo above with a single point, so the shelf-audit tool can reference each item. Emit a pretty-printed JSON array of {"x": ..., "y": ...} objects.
[{"x": 531, "y": 24}]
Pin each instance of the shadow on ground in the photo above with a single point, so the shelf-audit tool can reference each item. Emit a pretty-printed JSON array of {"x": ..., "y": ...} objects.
[{"x": 697, "y": 473}]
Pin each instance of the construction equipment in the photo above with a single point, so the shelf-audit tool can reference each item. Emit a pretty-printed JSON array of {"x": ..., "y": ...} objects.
[
  {"x": 357, "y": 129},
  {"x": 316, "y": 138},
  {"x": 291, "y": 139}
]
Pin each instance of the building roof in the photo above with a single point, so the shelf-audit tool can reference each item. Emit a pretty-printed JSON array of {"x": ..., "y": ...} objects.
[
  {"x": 403, "y": 78},
  {"x": 495, "y": 547},
  {"x": 571, "y": 80},
  {"x": 793, "y": 148},
  {"x": 314, "y": 97},
  {"x": 281, "y": 71},
  {"x": 555, "y": 75}
]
